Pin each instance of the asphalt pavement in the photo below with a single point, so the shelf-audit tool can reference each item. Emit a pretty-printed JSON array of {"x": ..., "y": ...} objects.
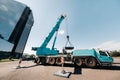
[{"x": 31, "y": 71}]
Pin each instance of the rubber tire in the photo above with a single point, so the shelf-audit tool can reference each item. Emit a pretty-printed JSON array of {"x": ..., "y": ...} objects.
[
  {"x": 51, "y": 61},
  {"x": 43, "y": 60},
  {"x": 78, "y": 61},
  {"x": 37, "y": 60},
  {"x": 90, "y": 62},
  {"x": 58, "y": 61}
]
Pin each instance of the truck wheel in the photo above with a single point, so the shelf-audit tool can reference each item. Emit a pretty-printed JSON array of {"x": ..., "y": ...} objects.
[
  {"x": 43, "y": 60},
  {"x": 90, "y": 62},
  {"x": 58, "y": 61},
  {"x": 78, "y": 61},
  {"x": 37, "y": 60},
  {"x": 51, "y": 61}
]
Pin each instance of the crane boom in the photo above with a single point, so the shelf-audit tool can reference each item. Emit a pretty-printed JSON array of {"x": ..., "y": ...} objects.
[
  {"x": 43, "y": 50},
  {"x": 55, "y": 28}
]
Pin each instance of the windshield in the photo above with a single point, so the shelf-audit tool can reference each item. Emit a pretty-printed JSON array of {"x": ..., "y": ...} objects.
[{"x": 103, "y": 53}]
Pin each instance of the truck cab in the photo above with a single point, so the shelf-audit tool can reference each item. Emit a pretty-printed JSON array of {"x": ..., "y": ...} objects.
[{"x": 104, "y": 57}]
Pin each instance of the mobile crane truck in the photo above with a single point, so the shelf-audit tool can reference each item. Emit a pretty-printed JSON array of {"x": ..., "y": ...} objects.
[{"x": 89, "y": 57}]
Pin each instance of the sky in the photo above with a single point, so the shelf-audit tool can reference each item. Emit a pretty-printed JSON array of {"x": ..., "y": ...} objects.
[{"x": 89, "y": 23}]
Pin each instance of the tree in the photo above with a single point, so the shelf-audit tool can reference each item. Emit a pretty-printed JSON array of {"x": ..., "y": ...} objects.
[{"x": 115, "y": 53}]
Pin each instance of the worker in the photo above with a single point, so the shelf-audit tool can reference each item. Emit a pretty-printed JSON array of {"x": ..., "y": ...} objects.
[
  {"x": 62, "y": 61},
  {"x": 64, "y": 51}
]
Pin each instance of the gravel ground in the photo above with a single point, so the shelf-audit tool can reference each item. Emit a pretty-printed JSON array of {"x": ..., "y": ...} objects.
[{"x": 30, "y": 71}]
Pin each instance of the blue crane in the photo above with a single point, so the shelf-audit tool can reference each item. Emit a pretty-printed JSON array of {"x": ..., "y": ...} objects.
[
  {"x": 91, "y": 58},
  {"x": 43, "y": 50}
]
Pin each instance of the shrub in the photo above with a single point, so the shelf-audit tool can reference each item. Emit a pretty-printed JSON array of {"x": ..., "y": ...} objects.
[{"x": 115, "y": 53}]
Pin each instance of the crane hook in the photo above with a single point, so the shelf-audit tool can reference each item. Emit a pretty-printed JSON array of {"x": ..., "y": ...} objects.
[{"x": 68, "y": 45}]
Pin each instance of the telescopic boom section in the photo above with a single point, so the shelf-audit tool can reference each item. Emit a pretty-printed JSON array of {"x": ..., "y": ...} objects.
[{"x": 55, "y": 28}]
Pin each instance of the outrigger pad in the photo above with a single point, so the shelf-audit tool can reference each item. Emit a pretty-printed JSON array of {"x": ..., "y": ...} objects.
[
  {"x": 63, "y": 74},
  {"x": 18, "y": 67},
  {"x": 69, "y": 48}
]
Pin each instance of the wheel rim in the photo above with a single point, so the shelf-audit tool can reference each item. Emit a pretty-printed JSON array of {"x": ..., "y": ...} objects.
[
  {"x": 78, "y": 61},
  {"x": 51, "y": 61},
  {"x": 90, "y": 62},
  {"x": 58, "y": 61}
]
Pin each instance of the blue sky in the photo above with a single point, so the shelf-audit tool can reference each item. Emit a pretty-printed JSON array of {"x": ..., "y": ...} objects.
[{"x": 90, "y": 23}]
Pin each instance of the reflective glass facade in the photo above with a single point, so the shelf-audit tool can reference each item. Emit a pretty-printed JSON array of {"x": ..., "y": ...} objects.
[
  {"x": 16, "y": 20},
  {"x": 22, "y": 41},
  {"x": 10, "y": 12}
]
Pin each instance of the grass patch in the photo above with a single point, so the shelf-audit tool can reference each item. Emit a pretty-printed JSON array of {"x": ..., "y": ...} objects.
[
  {"x": 116, "y": 57},
  {"x": 7, "y": 60}
]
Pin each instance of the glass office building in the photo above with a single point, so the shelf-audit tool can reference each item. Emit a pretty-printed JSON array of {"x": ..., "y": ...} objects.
[{"x": 16, "y": 20}]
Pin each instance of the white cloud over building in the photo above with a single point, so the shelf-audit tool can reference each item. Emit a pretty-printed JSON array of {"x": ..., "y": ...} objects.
[{"x": 109, "y": 45}]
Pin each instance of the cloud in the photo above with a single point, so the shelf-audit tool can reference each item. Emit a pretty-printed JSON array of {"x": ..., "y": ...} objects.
[
  {"x": 61, "y": 32},
  {"x": 11, "y": 23},
  {"x": 109, "y": 45},
  {"x": 29, "y": 51},
  {"x": 4, "y": 8}
]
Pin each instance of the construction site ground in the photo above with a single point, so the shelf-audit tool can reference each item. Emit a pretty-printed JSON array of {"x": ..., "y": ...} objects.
[{"x": 31, "y": 71}]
